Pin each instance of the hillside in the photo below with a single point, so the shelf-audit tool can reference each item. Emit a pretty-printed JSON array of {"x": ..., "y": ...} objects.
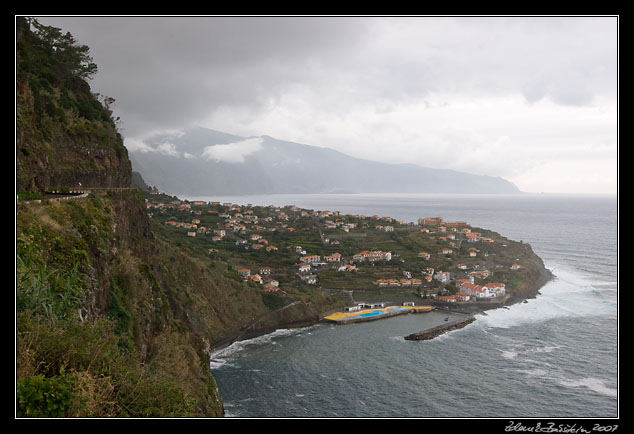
[
  {"x": 117, "y": 311},
  {"x": 201, "y": 161}
]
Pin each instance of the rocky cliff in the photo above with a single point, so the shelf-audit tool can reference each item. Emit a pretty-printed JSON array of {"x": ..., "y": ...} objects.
[{"x": 65, "y": 134}]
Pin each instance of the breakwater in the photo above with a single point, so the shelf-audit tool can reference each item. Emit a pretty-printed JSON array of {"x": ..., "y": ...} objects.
[{"x": 439, "y": 330}]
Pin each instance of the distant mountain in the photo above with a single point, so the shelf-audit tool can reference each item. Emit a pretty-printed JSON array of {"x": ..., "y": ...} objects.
[{"x": 201, "y": 161}]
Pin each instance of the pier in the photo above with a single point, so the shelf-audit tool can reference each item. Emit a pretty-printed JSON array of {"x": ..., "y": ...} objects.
[{"x": 439, "y": 330}]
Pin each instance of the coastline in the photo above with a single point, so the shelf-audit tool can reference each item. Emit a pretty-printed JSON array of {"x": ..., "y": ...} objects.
[{"x": 251, "y": 331}]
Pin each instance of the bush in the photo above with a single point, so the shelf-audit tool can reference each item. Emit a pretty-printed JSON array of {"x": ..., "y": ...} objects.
[{"x": 44, "y": 397}]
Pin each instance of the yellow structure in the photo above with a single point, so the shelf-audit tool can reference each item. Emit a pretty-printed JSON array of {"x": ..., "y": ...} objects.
[{"x": 376, "y": 313}]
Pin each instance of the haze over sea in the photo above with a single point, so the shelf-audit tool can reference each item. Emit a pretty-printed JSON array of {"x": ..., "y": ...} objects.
[{"x": 555, "y": 356}]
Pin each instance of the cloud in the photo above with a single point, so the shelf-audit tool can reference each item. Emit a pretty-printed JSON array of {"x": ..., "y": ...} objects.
[
  {"x": 233, "y": 152},
  {"x": 429, "y": 90}
]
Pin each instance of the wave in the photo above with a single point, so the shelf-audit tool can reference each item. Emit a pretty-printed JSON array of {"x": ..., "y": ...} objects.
[
  {"x": 570, "y": 294},
  {"x": 221, "y": 357},
  {"x": 594, "y": 384}
]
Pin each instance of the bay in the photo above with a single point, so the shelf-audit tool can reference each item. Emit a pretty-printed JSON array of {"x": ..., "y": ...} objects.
[{"x": 553, "y": 356}]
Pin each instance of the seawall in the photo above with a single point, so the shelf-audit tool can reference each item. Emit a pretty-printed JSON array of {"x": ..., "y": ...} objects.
[{"x": 439, "y": 330}]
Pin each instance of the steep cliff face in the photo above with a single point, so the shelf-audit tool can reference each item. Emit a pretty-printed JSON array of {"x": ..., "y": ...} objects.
[
  {"x": 65, "y": 134},
  {"x": 95, "y": 311},
  {"x": 100, "y": 332}
]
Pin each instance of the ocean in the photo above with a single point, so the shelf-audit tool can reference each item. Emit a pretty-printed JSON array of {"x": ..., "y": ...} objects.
[{"x": 554, "y": 356}]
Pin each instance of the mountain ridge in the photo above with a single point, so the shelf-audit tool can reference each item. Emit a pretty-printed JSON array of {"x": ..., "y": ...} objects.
[{"x": 205, "y": 161}]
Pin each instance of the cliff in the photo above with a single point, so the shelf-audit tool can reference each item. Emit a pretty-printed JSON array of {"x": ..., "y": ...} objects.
[
  {"x": 65, "y": 134},
  {"x": 100, "y": 328}
]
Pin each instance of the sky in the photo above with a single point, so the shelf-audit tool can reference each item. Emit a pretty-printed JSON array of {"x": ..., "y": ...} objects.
[{"x": 532, "y": 99}]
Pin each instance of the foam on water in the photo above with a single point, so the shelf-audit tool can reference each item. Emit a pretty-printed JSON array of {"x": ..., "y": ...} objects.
[
  {"x": 221, "y": 357},
  {"x": 568, "y": 295}
]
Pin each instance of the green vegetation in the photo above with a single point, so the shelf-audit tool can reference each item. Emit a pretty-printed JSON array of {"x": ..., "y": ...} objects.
[
  {"x": 221, "y": 234},
  {"x": 66, "y": 133},
  {"x": 78, "y": 356}
]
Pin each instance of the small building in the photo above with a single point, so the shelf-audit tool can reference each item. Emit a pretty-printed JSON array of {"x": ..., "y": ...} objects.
[
  {"x": 462, "y": 296},
  {"x": 311, "y": 279},
  {"x": 310, "y": 259},
  {"x": 303, "y": 267}
]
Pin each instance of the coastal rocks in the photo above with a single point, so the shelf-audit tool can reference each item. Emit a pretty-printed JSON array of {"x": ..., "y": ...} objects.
[{"x": 439, "y": 330}]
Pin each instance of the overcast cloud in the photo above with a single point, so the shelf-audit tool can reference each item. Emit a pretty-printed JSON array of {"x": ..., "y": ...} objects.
[{"x": 531, "y": 99}]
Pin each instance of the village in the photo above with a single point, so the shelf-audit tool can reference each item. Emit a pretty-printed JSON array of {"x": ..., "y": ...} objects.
[{"x": 289, "y": 250}]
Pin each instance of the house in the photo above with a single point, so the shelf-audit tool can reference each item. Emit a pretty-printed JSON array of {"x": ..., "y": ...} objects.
[
  {"x": 335, "y": 257},
  {"x": 442, "y": 276},
  {"x": 347, "y": 267},
  {"x": 461, "y": 282},
  {"x": 311, "y": 279},
  {"x": 481, "y": 292},
  {"x": 272, "y": 282},
  {"x": 191, "y": 234},
  {"x": 462, "y": 296},
  {"x": 310, "y": 259},
  {"x": 255, "y": 278},
  {"x": 498, "y": 289},
  {"x": 448, "y": 298},
  {"x": 265, "y": 271},
  {"x": 424, "y": 255},
  {"x": 515, "y": 266},
  {"x": 447, "y": 251},
  {"x": 270, "y": 288},
  {"x": 271, "y": 248},
  {"x": 480, "y": 274},
  {"x": 303, "y": 267},
  {"x": 244, "y": 272},
  {"x": 430, "y": 221},
  {"x": 376, "y": 255}
]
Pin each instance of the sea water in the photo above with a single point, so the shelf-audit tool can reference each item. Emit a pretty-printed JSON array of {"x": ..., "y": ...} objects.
[{"x": 553, "y": 356}]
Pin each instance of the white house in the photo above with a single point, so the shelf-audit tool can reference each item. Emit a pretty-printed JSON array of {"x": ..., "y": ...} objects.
[
  {"x": 310, "y": 259},
  {"x": 303, "y": 267}
]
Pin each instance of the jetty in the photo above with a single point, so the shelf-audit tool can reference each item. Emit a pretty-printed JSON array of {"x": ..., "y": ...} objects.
[
  {"x": 439, "y": 330},
  {"x": 371, "y": 312}
]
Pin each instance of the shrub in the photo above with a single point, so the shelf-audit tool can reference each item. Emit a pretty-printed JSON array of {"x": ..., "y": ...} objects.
[{"x": 44, "y": 397}]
